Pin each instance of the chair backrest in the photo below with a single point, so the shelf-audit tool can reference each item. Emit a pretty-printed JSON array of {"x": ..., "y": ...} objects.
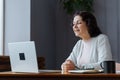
[{"x": 5, "y": 63}]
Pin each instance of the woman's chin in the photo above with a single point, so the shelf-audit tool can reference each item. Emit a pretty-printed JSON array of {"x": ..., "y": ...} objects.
[{"x": 77, "y": 35}]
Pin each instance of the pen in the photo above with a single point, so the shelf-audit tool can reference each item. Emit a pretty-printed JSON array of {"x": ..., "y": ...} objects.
[{"x": 77, "y": 67}]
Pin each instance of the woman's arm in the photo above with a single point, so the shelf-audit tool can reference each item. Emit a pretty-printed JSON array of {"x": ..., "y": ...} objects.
[{"x": 74, "y": 54}]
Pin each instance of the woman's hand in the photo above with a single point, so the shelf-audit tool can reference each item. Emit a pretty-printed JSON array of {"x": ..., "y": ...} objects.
[{"x": 68, "y": 65}]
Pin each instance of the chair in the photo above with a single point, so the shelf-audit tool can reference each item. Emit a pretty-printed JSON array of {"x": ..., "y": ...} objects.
[{"x": 5, "y": 63}]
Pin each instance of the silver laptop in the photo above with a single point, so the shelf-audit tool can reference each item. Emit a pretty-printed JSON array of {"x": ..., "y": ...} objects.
[{"x": 23, "y": 57}]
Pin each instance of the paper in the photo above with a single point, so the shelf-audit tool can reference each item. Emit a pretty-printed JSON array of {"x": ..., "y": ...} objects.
[{"x": 84, "y": 71}]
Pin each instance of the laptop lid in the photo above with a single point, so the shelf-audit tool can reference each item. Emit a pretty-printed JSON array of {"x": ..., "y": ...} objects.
[{"x": 23, "y": 57}]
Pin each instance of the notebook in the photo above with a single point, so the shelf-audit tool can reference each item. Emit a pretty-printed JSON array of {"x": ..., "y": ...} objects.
[
  {"x": 85, "y": 71},
  {"x": 23, "y": 57}
]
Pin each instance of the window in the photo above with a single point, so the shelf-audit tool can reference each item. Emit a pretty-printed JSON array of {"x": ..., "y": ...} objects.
[{"x": 1, "y": 26}]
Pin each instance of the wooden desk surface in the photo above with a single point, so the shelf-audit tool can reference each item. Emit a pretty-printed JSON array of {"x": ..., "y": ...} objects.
[{"x": 57, "y": 76}]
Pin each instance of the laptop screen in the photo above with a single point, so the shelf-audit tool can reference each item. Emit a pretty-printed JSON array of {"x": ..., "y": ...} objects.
[{"x": 23, "y": 56}]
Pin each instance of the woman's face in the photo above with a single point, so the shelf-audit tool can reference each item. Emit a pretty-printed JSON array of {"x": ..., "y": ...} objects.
[{"x": 79, "y": 26}]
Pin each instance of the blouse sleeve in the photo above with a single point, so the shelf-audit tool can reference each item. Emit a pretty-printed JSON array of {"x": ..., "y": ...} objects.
[
  {"x": 104, "y": 49},
  {"x": 73, "y": 55}
]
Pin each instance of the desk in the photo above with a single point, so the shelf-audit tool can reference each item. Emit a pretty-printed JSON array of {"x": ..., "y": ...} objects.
[{"x": 57, "y": 76}]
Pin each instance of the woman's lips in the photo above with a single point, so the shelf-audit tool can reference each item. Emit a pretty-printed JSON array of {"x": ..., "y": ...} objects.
[{"x": 77, "y": 30}]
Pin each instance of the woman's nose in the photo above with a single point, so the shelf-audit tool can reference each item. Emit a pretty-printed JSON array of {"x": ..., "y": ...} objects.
[{"x": 75, "y": 26}]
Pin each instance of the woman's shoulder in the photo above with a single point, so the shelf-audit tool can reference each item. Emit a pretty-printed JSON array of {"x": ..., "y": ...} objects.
[
  {"x": 102, "y": 36},
  {"x": 79, "y": 41}
]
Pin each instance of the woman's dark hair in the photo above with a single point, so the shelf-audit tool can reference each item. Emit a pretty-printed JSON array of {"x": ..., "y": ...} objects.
[{"x": 91, "y": 22}]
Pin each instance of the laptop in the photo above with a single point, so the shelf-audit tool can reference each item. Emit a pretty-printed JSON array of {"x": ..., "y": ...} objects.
[{"x": 23, "y": 57}]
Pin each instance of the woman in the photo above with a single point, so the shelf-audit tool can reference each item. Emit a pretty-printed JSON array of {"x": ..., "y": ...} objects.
[{"x": 93, "y": 46}]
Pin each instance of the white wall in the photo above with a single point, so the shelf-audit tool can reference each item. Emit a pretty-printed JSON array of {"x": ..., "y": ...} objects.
[
  {"x": 17, "y": 21},
  {"x": 1, "y": 27}
]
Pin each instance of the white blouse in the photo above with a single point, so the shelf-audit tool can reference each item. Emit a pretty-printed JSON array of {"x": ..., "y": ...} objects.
[
  {"x": 92, "y": 53},
  {"x": 85, "y": 57}
]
